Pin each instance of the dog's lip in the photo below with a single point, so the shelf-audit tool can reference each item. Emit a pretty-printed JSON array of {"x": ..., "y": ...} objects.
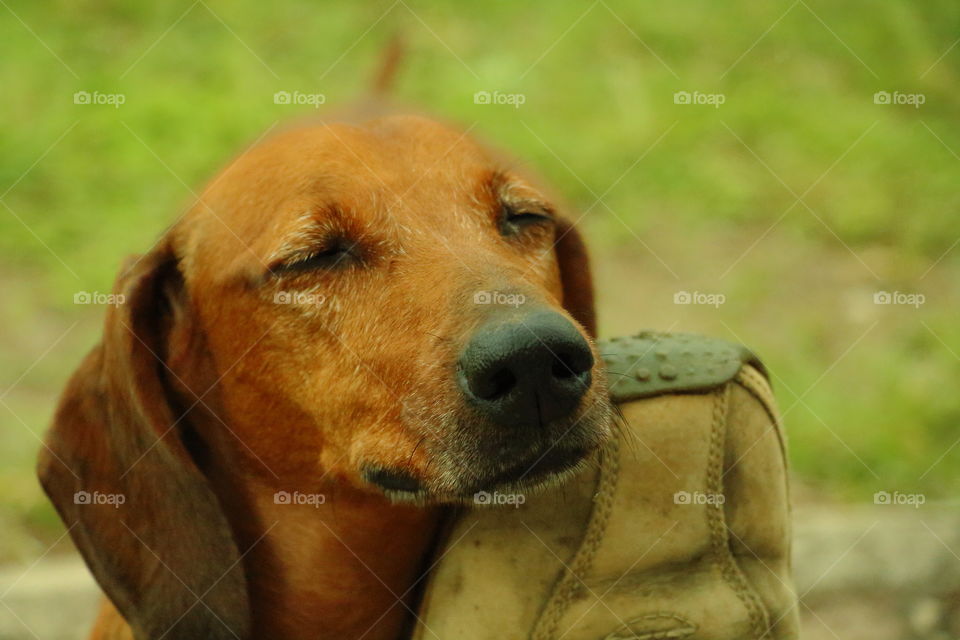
[
  {"x": 534, "y": 470},
  {"x": 395, "y": 481},
  {"x": 528, "y": 475}
]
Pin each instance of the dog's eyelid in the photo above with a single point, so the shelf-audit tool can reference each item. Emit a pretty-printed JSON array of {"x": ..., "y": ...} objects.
[
  {"x": 527, "y": 211},
  {"x": 333, "y": 253},
  {"x": 526, "y": 222},
  {"x": 529, "y": 206}
]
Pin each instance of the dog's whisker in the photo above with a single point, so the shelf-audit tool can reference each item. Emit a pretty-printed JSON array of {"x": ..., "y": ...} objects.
[{"x": 417, "y": 446}]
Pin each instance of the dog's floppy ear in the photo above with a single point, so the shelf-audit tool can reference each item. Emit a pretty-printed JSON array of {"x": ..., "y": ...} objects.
[
  {"x": 575, "y": 276},
  {"x": 139, "y": 509}
]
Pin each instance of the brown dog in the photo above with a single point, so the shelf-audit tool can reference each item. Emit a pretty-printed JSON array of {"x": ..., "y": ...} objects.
[{"x": 354, "y": 324}]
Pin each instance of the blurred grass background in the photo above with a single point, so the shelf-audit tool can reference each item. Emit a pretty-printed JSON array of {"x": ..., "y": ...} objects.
[{"x": 694, "y": 198}]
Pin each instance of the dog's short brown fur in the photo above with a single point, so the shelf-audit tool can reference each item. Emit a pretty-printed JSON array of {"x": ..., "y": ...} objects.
[{"x": 297, "y": 331}]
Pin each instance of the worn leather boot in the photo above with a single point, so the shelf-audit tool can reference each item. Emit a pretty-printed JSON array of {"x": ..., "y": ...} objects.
[{"x": 679, "y": 530}]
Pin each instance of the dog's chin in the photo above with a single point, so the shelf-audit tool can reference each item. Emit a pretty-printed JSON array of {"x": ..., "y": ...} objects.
[
  {"x": 464, "y": 476},
  {"x": 548, "y": 468},
  {"x": 525, "y": 477}
]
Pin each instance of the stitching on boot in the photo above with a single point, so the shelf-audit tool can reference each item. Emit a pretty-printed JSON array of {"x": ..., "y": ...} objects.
[
  {"x": 723, "y": 558},
  {"x": 545, "y": 628},
  {"x": 756, "y": 385},
  {"x": 754, "y": 382},
  {"x": 627, "y": 633}
]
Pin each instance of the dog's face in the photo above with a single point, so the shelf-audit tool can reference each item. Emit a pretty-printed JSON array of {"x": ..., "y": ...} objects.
[
  {"x": 387, "y": 305},
  {"x": 353, "y": 311}
]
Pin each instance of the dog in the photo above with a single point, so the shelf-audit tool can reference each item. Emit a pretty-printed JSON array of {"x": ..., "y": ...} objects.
[{"x": 356, "y": 325}]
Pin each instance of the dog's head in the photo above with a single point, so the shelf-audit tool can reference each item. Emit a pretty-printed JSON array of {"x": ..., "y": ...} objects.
[
  {"x": 389, "y": 306},
  {"x": 385, "y": 306}
]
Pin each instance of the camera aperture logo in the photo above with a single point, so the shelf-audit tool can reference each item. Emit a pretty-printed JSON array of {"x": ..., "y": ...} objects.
[
  {"x": 310, "y": 499},
  {"x": 299, "y": 98},
  {"x": 496, "y": 97},
  {"x": 698, "y": 497},
  {"x": 699, "y": 98},
  {"x": 908, "y": 499},
  {"x": 95, "y": 297},
  {"x": 497, "y": 297},
  {"x": 299, "y": 297},
  {"x": 98, "y": 498},
  {"x": 497, "y": 498},
  {"x": 697, "y": 297},
  {"x": 114, "y": 100},
  {"x": 895, "y": 97},
  {"x": 900, "y": 298}
]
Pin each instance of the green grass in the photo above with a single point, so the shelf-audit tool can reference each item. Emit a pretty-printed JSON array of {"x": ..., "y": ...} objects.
[{"x": 799, "y": 118}]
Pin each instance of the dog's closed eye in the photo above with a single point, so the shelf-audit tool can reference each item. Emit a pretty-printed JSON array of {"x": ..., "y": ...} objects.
[
  {"x": 335, "y": 253},
  {"x": 515, "y": 218},
  {"x": 323, "y": 239},
  {"x": 519, "y": 207}
]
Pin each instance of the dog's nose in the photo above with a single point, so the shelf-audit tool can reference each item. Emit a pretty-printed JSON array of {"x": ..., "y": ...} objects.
[{"x": 526, "y": 370}]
